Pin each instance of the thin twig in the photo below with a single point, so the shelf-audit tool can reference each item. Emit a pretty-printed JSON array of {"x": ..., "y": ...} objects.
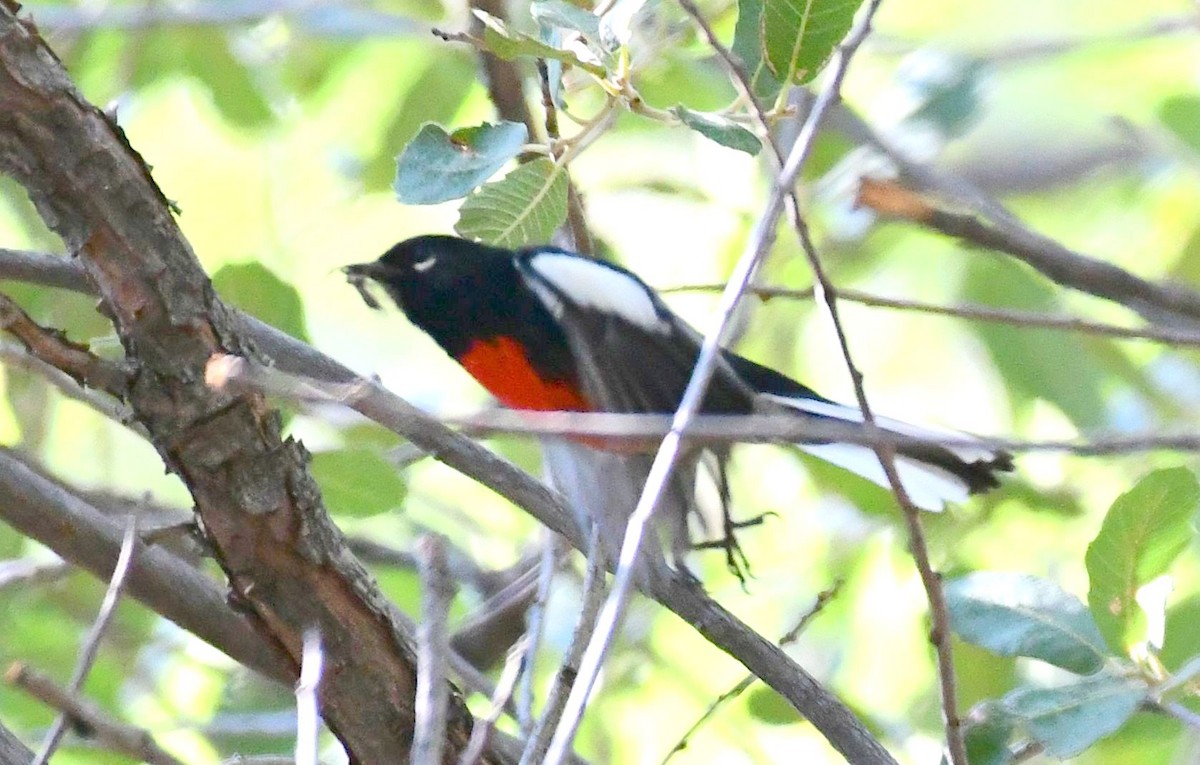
[
  {"x": 590, "y": 602},
  {"x": 789, "y": 637},
  {"x": 24, "y": 572},
  {"x": 669, "y": 451},
  {"x": 120, "y": 737},
  {"x": 18, "y": 356},
  {"x": 433, "y": 647},
  {"x": 308, "y": 706},
  {"x": 975, "y": 312},
  {"x": 91, "y": 645},
  {"x": 484, "y": 728},
  {"x": 55, "y": 349},
  {"x": 713, "y": 430},
  {"x": 547, "y": 567}
]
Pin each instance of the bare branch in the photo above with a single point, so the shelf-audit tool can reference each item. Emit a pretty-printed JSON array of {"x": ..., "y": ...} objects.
[
  {"x": 308, "y": 709},
  {"x": 82, "y": 535},
  {"x": 117, "y": 736},
  {"x": 689, "y": 602},
  {"x": 590, "y": 602},
  {"x": 315, "y": 19},
  {"x": 91, "y": 644},
  {"x": 433, "y": 647},
  {"x": 12, "y": 751},
  {"x": 974, "y": 312},
  {"x": 744, "y": 684},
  {"x": 261, "y": 509},
  {"x": 1160, "y": 303},
  {"x": 689, "y": 406},
  {"x": 56, "y": 350}
]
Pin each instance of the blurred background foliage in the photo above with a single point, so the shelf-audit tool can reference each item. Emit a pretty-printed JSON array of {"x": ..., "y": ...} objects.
[{"x": 274, "y": 124}]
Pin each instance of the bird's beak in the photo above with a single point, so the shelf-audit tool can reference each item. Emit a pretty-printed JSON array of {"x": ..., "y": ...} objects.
[
  {"x": 360, "y": 271},
  {"x": 358, "y": 274}
]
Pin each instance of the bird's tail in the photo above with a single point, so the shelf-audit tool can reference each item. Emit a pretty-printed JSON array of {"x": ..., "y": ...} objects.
[{"x": 932, "y": 474}]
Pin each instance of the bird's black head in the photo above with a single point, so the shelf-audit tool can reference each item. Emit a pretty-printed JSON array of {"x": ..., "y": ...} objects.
[{"x": 426, "y": 269}]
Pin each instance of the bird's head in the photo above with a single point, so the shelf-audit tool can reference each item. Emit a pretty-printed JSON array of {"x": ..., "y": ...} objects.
[{"x": 421, "y": 265}]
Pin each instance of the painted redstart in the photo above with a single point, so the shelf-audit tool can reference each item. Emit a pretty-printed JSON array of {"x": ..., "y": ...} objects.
[{"x": 546, "y": 329}]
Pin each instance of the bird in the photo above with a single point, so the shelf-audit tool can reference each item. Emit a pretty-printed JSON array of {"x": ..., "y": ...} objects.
[{"x": 546, "y": 329}]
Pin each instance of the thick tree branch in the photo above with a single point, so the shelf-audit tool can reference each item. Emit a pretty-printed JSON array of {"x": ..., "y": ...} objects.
[
  {"x": 261, "y": 509},
  {"x": 79, "y": 533},
  {"x": 677, "y": 593}
]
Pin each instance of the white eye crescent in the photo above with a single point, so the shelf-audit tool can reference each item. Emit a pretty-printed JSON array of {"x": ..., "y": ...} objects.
[{"x": 421, "y": 266}]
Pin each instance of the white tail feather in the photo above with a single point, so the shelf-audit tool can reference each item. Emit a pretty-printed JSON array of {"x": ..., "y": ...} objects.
[{"x": 928, "y": 486}]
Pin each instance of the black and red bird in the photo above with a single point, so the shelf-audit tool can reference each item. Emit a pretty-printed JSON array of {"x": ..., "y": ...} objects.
[{"x": 546, "y": 329}]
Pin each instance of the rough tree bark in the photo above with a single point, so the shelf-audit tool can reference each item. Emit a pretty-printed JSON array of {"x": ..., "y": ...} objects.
[{"x": 261, "y": 510}]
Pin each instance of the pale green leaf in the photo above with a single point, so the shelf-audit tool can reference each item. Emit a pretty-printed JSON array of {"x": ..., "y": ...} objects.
[
  {"x": 1020, "y": 615},
  {"x": 1070, "y": 718},
  {"x": 798, "y": 36},
  {"x": 509, "y": 45},
  {"x": 1144, "y": 531},
  {"x": 720, "y": 129},
  {"x": 525, "y": 207},
  {"x": 748, "y": 47},
  {"x": 357, "y": 482},
  {"x": 437, "y": 166}
]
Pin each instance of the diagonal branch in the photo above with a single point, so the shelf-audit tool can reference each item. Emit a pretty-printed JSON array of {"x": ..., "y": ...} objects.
[{"x": 260, "y": 507}]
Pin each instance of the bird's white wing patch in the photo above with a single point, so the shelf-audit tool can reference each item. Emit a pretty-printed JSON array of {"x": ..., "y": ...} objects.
[
  {"x": 966, "y": 452},
  {"x": 595, "y": 285}
]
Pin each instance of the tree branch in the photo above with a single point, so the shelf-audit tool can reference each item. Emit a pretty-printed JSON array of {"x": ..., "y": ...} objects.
[{"x": 261, "y": 509}]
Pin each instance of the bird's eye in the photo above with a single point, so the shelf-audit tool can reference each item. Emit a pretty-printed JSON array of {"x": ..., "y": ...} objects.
[{"x": 421, "y": 266}]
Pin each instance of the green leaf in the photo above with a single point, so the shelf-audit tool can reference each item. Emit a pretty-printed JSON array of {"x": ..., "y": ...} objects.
[
  {"x": 747, "y": 46},
  {"x": 525, "y": 207},
  {"x": 720, "y": 129},
  {"x": 357, "y": 482},
  {"x": 556, "y": 13},
  {"x": 1182, "y": 115},
  {"x": 989, "y": 729},
  {"x": 1144, "y": 531},
  {"x": 256, "y": 290},
  {"x": 1021, "y": 615},
  {"x": 510, "y": 45},
  {"x": 1069, "y": 719},
  {"x": 798, "y": 36},
  {"x": 766, "y": 705},
  {"x": 437, "y": 167}
]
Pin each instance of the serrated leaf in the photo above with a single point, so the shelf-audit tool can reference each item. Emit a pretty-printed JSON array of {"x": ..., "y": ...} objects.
[
  {"x": 257, "y": 290},
  {"x": 357, "y": 482},
  {"x": 1021, "y": 615},
  {"x": 747, "y": 46},
  {"x": 1182, "y": 115},
  {"x": 525, "y": 207},
  {"x": 1144, "y": 531},
  {"x": 798, "y": 36},
  {"x": 510, "y": 45},
  {"x": 1069, "y": 719},
  {"x": 437, "y": 166},
  {"x": 720, "y": 129}
]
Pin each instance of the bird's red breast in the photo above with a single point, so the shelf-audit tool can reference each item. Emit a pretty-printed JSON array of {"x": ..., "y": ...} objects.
[{"x": 502, "y": 366}]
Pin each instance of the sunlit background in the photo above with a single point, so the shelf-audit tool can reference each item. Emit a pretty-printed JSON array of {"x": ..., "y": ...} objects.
[{"x": 274, "y": 125}]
